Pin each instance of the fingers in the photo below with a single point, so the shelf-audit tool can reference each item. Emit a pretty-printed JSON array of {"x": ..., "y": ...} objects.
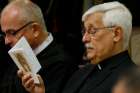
[
  {"x": 29, "y": 84},
  {"x": 26, "y": 78},
  {"x": 20, "y": 73},
  {"x": 41, "y": 86},
  {"x": 40, "y": 79}
]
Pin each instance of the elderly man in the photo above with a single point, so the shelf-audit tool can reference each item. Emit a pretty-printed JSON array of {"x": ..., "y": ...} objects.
[
  {"x": 24, "y": 18},
  {"x": 106, "y": 34}
]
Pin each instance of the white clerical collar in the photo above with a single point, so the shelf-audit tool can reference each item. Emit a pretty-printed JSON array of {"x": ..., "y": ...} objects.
[
  {"x": 99, "y": 66},
  {"x": 44, "y": 44}
]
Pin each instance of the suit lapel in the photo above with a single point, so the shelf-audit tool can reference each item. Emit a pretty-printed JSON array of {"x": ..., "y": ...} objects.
[
  {"x": 78, "y": 79},
  {"x": 95, "y": 80}
]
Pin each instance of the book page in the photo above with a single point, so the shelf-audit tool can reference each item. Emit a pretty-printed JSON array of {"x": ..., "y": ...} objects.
[{"x": 24, "y": 58}]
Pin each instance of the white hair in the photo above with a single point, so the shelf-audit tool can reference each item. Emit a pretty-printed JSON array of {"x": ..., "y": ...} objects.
[{"x": 115, "y": 14}]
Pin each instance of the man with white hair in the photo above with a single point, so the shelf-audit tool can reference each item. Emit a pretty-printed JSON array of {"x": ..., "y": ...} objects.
[{"x": 106, "y": 34}]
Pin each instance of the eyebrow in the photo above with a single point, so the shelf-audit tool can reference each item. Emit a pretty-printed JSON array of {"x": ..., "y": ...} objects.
[{"x": 11, "y": 30}]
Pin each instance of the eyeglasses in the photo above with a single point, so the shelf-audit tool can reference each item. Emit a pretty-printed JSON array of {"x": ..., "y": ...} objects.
[
  {"x": 14, "y": 32},
  {"x": 92, "y": 31}
]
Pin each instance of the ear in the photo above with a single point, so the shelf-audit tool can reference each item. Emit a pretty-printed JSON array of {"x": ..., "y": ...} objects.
[
  {"x": 118, "y": 34},
  {"x": 36, "y": 28}
]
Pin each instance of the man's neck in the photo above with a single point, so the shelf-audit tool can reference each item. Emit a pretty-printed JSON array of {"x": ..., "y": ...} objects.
[{"x": 44, "y": 44}]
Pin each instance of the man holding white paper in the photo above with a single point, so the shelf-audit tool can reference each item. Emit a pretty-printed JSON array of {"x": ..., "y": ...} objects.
[
  {"x": 24, "y": 18},
  {"x": 24, "y": 58}
]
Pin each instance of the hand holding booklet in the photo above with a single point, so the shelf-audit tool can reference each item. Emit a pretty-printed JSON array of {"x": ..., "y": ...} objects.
[{"x": 24, "y": 58}]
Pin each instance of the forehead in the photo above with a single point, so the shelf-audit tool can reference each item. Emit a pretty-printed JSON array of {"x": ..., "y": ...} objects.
[
  {"x": 94, "y": 19},
  {"x": 10, "y": 15},
  {"x": 10, "y": 19}
]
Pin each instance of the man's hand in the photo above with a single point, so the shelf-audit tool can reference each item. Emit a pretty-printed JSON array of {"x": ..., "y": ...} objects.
[{"x": 28, "y": 82}]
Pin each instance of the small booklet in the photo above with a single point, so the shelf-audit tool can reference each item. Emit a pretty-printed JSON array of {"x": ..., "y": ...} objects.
[{"x": 24, "y": 58}]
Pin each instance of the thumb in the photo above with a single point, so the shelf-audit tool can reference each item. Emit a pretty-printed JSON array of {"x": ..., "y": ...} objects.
[
  {"x": 20, "y": 73},
  {"x": 40, "y": 79}
]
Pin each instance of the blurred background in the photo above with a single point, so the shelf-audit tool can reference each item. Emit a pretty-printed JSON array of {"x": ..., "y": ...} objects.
[{"x": 63, "y": 19}]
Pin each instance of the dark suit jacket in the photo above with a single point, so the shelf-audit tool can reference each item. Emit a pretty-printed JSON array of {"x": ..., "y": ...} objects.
[
  {"x": 91, "y": 79},
  {"x": 8, "y": 70},
  {"x": 57, "y": 67}
]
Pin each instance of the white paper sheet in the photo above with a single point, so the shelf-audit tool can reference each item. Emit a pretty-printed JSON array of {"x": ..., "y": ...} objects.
[{"x": 24, "y": 58}]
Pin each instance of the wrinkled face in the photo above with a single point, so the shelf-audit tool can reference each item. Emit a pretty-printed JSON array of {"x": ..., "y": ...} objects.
[
  {"x": 14, "y": 28},
  {"x": 97, "y": 38}
]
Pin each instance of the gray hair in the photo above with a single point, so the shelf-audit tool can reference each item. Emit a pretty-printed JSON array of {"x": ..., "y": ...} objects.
[{"x": 115, "y": 14}]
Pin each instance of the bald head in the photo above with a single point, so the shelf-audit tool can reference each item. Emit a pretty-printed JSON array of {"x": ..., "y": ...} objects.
[
  {"x": 24, "y": 11},
  {"x": 23, "y": 18}
]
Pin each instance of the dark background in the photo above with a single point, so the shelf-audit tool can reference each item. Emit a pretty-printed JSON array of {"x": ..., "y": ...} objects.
[{"x": 63, "y": 19}]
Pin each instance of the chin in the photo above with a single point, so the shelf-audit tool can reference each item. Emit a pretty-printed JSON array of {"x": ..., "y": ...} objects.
[
  {"x": 93, "y": 58},
  {"x": 90, "y": 56}
]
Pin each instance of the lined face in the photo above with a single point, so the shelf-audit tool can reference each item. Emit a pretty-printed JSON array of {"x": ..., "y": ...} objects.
[{"x": 97, "y": 38}]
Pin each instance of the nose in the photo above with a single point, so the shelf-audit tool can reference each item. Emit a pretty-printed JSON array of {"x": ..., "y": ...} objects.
[
  {"x": 86, "y": 37},
  {"x": 7, "y": 40}
]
